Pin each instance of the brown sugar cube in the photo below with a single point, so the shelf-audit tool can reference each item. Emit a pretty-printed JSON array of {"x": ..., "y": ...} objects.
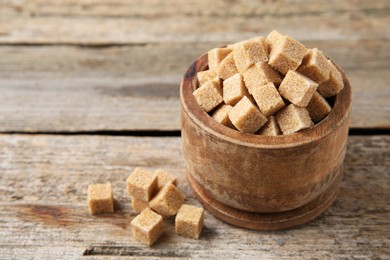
[
  {"x": 297, "y": 88},
  {"x": 271, "y": 128},
  {"x": 207, "y": 75},
  {"x": 234, "y": 89},
  {"x": 221, "y": 115},
  {"x": 100, "y": 198},
  {"x": 273, "y": 38},
  {"x": 142, "y": 184},
  {"x": 249, "y": 52},
  {"x": 268, "y": 99},
  {"x": 216, "y": 55},
  {"x": 164, "y": 178},
  {"x": 286, "y": 53},
  {"x": 232, "y": 45},
  {"x": 209, "y": 95},
  {"x": 318, "y": 107},
  {"x": 227, "y": 68},
  {"x": 147, "y": 227},
  {"x": 167, "y": 201},
  {"x": 334, "y": 84},
  {"x": 292, "y": 119},
  {"x": 315, "y": 66},
  {"x": 138, "y": 205},
  {"x": 246, "y": 117},
  {"x": 260, "y": 74},
  {"x": 189, "y": 221}
]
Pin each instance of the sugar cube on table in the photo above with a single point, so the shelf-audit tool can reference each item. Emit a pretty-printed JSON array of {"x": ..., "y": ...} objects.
[
  {"x": 234, "y": 89},
  {"x": 142, "y": 184},
  {"x": 147, "y": 227},
  {"x": 164, "y": 178},
  {"x": 334, "y": 84},
  {"x": 138, "y": 205},
  {"x": 297, "y": 88},
  {"x": 292, "y": 119},
  {"x": 246, "y": 117},
  {"x": 318, "y": 107},
  {"x": 271, "y": 128},
  {"x": 100, "y": 198},
  {"x": 249, "y": 52},
  {"x": 216, "y": 55},
  {"x": 268, "y": 99},
  {"x": 260, "y": 74},
  {"x": 227, "y": 67},
  {"x": 221, "y": 115},
  {"x": 315, "y": 66},
  {"x": 286, "y": 53},
  {"x": 167, "y": 201},
  {"x": 207, "y": 75},
  {"x": 189, "y": 221},
  {"x": 209, "y": 95}
]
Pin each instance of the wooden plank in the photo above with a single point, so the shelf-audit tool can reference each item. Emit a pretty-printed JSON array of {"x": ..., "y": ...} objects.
[
  {"x": 127, "y": 22},
  {"x": 67, "y": 88},
  {"x": 150, "y": 8},
  {"x": 43, "y": 210}
]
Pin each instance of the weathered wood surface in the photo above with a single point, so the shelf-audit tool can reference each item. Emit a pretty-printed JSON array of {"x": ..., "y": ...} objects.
[
  {"x": 123, "y": 22},
  {"x": 65, "y": 88},
  {"x": 44, "y": 214},
  {"x": 130, "y": 82},
  {"x": 81, "y": 65}
]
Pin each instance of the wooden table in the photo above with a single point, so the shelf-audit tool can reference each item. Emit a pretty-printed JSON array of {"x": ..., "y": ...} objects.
[{"x": 89, "y": 90}]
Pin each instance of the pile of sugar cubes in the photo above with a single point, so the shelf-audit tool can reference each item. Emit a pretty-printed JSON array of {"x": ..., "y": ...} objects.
[
  {"x": 269, "y": 86},
  {"x": 155, "y": 196}
]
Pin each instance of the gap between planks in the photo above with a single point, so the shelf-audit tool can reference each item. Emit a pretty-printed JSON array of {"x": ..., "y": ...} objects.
[{"x": 174, "y": 133}]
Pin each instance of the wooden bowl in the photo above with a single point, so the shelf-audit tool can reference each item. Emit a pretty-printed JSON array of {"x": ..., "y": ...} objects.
[{"x": 263, "y": 182}]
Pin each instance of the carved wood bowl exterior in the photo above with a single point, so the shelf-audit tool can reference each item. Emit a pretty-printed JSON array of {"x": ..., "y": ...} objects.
[{"x": 263, "y": 182}]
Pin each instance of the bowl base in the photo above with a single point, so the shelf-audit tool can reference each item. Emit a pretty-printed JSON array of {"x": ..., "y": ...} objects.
[{"x": 267, "y": 221}]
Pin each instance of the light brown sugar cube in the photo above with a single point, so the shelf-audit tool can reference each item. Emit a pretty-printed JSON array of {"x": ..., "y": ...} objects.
[
  {"x": 147, "y": 227},
  {"x": 138, "y": 205},
  {"x": 207, "y": 75},
  {"x": 315, "y": 66},
  {"x": 334, "y": 84},
  {"x": 271, "y": 128},
  {"x": 227, "y": 68},
  {"x": 249, "y": 52},
  {"x": 273, "y": 38},
  {"x": 164, "y": 178},
  {"x": 297, "y": 88},
  {"x": 292, "y": 119},
  {"x": 246, "y": 117},
  {"x": 232, "y": 45},
  {"x": 268, "y": 99},
  {"x": 234, "y": 89},
  {"x": 189, "y": 221},
  {"x": 167, "y": 201},
  {"x": 286, "y": 53},
  {"x": 100, "y": 198},
  {"x": 318, "y": 107},
  {"x": 260, "y": 74},
  {"x": 209, "y": 95},
  {"x": 221, "y": 115},
  {"x": 216, "y": 55},
  {"x": 142, "y": 184}
]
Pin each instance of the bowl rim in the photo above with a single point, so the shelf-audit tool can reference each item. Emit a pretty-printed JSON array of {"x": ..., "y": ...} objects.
[{"x": 340, "y": 112}]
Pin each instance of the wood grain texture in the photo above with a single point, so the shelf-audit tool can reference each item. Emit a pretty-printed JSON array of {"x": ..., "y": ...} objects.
[
  {"x": 65, "y": 88},
  {"x": 44, "y": 213},
  {"x": 125, "y": 22}
]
